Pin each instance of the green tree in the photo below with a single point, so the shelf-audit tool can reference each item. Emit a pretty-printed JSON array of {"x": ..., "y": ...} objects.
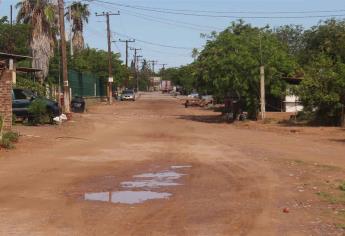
[
  {"x": 323, "y": 89},
  {"x": 14, "y": 39},
  {"x": 230, "y": 63},
  {"x": 41, "y": 16},
  {"x": 79, "y": 14}
]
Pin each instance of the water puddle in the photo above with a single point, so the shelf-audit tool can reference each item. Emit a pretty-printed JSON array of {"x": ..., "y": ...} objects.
[
  {"x": 148, "y": 184},
  {"x": 161, "y": 175},
  {"x": 181, "y": 167},
  {"x": 126, "y": 197},
  {"x": 144, "y": 182}
]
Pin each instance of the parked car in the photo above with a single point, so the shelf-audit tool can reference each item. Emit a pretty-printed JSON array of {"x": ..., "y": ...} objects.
[
  {"x": 128, "y": 95},
  {"x": 193, "y": 95},
  {"x": 22, "y": 98},
  {"x": 78, "y": 104}
]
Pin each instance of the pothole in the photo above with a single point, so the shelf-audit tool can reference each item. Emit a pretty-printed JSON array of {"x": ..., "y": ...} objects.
[{"x": 139, "y": 190}]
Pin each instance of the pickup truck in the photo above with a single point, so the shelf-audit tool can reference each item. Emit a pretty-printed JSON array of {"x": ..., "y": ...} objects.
[{"x": 21, "y": 100}]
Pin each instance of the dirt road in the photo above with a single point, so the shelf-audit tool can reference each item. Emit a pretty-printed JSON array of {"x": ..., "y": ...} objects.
[{"x": 152, "y": 167}]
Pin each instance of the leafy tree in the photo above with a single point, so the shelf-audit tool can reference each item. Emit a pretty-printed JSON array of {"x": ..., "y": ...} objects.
[
  {"x": 79, "y": 14},
  {"x": 323, "y": 59},
  {"x": 231, "y": 60},
  {"x": 41, "y": 16},
  {"x": 293, "y": 37},
  {"x": 323, "y": 90},
  {"x": 14, "y": 39}
]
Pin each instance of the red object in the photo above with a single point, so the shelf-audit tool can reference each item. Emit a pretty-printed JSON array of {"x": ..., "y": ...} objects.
[
  {"x": 286, "y": 210},
  {"x": 69, "y": 116}
]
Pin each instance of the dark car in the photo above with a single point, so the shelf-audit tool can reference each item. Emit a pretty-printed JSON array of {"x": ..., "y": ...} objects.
[
  {"x": 78, "y": 104},
  {"x": 22, "y": 98}
]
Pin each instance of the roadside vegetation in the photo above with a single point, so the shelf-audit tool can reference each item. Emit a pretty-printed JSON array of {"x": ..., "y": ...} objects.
[
  {"x": 228, "y": 64},
  {"x": 7, "y": 139},
  {"x": 230, "y": 61}
]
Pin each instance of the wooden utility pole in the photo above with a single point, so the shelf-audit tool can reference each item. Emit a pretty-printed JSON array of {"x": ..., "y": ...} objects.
[
  {"x": 153, "y": 62},
  {"x": 70, "y": 29},
  {"x": 262, "y": 82},
  {"x": 110, "y": 70},
  {"x": 137, "y": 69},
  {"x": 262, "y": 92},
  {"x": 64, "y": 58},
  {"x": 135, "y": 65},
  {"x": 127, "y": 47}
]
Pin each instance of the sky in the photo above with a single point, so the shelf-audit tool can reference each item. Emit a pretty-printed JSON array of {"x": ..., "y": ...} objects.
[{"x": 169, "y": 38}]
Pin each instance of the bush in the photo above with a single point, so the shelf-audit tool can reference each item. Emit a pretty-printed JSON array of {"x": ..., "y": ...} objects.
[
  {"x": 38, "y": 113},
  {"x": 8, "y": 139},
  {"x": 11, "y": 136}
]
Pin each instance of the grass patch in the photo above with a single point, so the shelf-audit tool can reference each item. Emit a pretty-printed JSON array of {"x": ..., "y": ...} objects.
[
  {"x": 332, "y": 198},
  {"x": 342, "y": 186},
  {"x": 340, "y": 226},
  {"x": 8, "y": 140},
  {"x": 330, "y": 168},
  {"x": 299, "y": 162}
]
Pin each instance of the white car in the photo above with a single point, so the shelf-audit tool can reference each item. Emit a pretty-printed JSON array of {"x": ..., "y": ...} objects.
[
  {"x": 128, "y": 95},
  {"x": 193, "y": 95}
]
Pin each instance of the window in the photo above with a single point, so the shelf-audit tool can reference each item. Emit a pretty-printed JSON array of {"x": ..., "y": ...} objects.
[{"x": 19, "y": 94}]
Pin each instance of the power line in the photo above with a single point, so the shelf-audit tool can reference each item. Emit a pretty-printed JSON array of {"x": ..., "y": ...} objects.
[
  {"x": 155, "y": 44},
  {"x": 213, "y": 15},
  {"x": 224, "y": 12},
  {"x": 165, "y": 20},
  {"x": 171, "y": 22}
]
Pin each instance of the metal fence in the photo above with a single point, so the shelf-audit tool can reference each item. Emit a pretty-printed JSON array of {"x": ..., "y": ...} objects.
[{"x": 86, "y": 84}]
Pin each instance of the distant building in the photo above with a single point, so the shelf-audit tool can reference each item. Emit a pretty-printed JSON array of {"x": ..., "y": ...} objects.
[
  {"x": 292, "y": 102},
  {"x": 155, "y": 83}
]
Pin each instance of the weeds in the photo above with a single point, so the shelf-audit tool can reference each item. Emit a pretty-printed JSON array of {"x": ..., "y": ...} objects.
[
  {"x": 342, "y": 186},
  {"x": 38, "y": 112},
  {"x": 8, "y": 139}
]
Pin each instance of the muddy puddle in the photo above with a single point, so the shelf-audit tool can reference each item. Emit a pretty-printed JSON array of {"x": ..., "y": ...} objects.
[
  {"x": 126, "y": 197},
  {"x": 140, "y": 188}
]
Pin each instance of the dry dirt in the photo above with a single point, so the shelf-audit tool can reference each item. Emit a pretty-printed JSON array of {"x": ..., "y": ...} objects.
[{"x": 240, "y": 180}]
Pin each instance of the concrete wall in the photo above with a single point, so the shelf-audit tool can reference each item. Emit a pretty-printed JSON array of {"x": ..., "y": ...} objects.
[{"x": 6, "y": 98}]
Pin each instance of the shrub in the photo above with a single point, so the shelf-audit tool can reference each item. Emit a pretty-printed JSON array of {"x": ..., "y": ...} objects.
[
  {"x": 342, "y": 186},
  {"x": 8, "y": 139},
  {"x": 38, "y": 113},
  {"x": 11, "y": 136}
]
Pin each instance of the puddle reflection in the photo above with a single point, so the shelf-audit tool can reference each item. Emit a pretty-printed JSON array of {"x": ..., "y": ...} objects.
[{"x": 126, "y": 197}]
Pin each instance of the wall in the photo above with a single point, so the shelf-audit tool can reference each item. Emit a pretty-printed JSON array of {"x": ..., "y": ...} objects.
[{"x": 6, "y": 98}]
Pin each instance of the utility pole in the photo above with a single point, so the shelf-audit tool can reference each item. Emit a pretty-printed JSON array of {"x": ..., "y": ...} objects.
[
  {"x": 64, "y": 58},
  {"x": 262, "y": 83},
  {"x": 11, "y": 16},
  {"x": 111, "y": 78},
  {"x": 127, "y": 44},
  {"x": 70, "y": 29},
  {"x": 137, "y": 69},
  {"x": 136, "y": 64},
  {"x": 262, "y": 92},
  {"x": 153, "y": 62}
]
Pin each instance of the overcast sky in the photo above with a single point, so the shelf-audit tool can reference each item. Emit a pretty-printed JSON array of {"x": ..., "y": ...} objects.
[{"x": 159, "y": 28}]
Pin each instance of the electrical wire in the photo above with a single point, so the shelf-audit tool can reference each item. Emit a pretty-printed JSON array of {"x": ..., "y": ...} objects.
[
  {"x": 162, "y": 20},
  {"x": 155, "y": 44},
  {"x": 225, "y": 12},
  {"x": 157, "y": 20},
  {"x": 221, "y": 16}
]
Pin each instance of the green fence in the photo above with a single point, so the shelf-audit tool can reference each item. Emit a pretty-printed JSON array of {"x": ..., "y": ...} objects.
[{"x": 86, "y": 84}]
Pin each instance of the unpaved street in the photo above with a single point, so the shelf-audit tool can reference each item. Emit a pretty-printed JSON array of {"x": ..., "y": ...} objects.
[{"x": 208, "y": 178}]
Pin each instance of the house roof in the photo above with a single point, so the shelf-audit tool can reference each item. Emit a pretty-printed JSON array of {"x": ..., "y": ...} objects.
[
  {"x": 13, "y": 56},
  {"x": 27, "y": 69},
  {"x": 293, "y": 80}
]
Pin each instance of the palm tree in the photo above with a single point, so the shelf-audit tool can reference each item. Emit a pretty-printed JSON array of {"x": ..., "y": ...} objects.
[
  {"x": 78, "y": 13},
  {"x": 41, "y": 16}
]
